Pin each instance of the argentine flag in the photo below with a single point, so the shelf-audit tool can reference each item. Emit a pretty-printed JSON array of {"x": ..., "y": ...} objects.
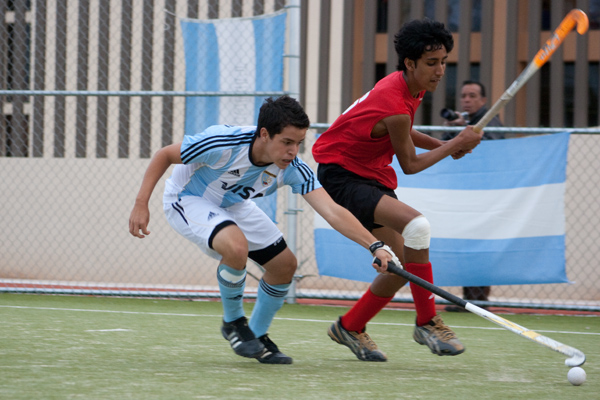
[
  {"x": 497, "y": 217},
  {"x": 233, "y": 55}
]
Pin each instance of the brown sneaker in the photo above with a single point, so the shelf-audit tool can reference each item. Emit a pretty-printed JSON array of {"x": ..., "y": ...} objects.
[
  {"x": 440, "y": 339},
  {"x": 361, "y": 344}
]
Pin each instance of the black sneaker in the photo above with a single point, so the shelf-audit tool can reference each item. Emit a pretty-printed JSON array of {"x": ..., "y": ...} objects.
[
  {"x": 242, "y": 340},
  {"x": 271, "y": 354}
]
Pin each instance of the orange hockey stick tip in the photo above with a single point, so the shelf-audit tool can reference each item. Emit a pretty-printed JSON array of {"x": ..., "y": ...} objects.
[
  {"x": 581, "y": 19},
  {"x": 575, "y": 18}
]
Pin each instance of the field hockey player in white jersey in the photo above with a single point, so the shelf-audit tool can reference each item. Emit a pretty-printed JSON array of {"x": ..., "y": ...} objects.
[{"x": 207, "y": 200}]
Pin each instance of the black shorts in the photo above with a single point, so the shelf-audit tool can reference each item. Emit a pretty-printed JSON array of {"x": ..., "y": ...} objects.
[
  {"x": 263, "y": 256},
  {"x": 353, "y": 192}
]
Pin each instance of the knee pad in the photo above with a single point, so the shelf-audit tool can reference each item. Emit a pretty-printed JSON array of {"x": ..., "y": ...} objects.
[{"x": 417, "y": 233}]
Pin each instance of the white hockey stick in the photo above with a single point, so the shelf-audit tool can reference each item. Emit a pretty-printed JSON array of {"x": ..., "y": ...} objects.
[
  {"x": 574, "y": 18},
  {"x": 576, "y": 357}
]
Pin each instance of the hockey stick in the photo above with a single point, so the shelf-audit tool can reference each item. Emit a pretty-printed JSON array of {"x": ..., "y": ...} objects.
[
  {"x": 575, "y": 359},
  {"x": 575, "y": 17}
]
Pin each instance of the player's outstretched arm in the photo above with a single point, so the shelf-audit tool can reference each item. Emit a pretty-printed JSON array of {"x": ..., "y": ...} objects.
[
  {"x": 401, "y": 136},
  {"x": 424, "y": 141},
  {"x": 140, "y": 215},
  {"x": 427, "y": 142},
  {"x": 344, "y": 222}
]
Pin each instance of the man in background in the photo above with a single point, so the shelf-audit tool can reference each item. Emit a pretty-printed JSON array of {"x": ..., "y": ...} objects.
[{"x": 472, "y": 102}]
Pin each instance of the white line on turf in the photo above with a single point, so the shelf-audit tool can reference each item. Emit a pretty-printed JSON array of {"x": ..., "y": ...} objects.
[
  {"x": 277, "y": 318},
  {"x": 108, "y": 311}
]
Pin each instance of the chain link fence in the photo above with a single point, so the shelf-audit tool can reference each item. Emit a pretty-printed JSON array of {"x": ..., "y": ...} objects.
[
  {"x": 89, "y": 90},
  {"x": 582, "y": 212}
]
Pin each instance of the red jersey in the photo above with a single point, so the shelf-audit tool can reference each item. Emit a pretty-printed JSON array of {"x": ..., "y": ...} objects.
[{"x": 348, "y": 142}]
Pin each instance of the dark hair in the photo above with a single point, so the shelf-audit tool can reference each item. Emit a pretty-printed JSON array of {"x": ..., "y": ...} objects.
[
  {"x": 276, "y": 114},
  {"x": 418, "y": 36},
  {"x": 481, "y": 87}
]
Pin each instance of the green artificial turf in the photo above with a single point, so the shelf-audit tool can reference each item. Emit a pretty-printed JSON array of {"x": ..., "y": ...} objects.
[{"x": 70, "y": 347}]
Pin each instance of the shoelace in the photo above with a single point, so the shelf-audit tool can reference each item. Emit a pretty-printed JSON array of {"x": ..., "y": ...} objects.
[
  {"x": 366, "y": 341},
  {"x": 244, "y": 330},
  {"x": 269, "y": 344},
  {"x": 443, "y": 331}
]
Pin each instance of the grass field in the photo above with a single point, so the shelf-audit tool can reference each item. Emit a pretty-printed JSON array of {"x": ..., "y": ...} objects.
[{"x": 62, "y": 347}]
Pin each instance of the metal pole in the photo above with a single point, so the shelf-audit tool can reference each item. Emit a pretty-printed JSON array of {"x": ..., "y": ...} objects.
[{"x": 293, "y": 64}]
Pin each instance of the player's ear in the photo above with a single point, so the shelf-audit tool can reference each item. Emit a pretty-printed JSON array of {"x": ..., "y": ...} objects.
[
  {"x": 410, "y": 64},
  {"x": 264, "y": 133}
]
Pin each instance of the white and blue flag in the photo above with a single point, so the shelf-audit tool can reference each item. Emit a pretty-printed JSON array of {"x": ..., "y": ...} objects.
[
  {"x": 497, "y": 217},
  {"x": 233, "y": 55}
]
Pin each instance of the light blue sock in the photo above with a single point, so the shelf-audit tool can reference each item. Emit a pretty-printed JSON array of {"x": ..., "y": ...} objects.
[
  {"x": 268, "y": 301},
  {"x": 231, "y": 285}
]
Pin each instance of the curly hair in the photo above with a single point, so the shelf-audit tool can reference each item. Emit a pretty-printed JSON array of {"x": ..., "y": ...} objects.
[
  {"x": 418, "y": 36},
  {"x": 276, "y": 114}
]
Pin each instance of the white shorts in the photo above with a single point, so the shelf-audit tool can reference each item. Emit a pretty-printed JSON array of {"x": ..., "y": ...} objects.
[{"x": 196, "y": 218}]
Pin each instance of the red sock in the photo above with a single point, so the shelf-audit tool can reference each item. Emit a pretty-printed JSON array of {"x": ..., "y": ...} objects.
[
  {"x": 424, "y": 300},
  {"x": 363, "y": 311}
]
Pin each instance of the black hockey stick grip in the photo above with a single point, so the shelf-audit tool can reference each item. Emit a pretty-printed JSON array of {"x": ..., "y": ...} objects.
[{"x": 393, "y": 268}]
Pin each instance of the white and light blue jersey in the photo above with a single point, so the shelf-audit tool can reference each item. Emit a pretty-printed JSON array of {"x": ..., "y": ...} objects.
[{"x": 217, "y": 166}]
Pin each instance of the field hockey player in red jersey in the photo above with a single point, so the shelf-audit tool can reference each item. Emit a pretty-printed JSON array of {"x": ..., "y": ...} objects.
[{"x": 354, "y": 157}]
